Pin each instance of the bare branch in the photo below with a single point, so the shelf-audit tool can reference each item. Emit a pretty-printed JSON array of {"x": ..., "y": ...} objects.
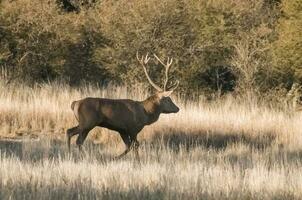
[
  {"x": 16, "y": 74},
  {"x": 19, "y": 63}
]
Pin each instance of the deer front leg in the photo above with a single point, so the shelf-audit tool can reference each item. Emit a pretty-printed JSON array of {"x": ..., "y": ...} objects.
[
  {"x": 127, "y": 140},
  {"x": 81, "y": 138},
  {"x": 135, "y": 147},
  {"x": 131, "y": 143}
]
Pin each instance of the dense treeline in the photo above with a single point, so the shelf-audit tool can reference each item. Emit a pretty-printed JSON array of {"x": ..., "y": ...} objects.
[{"x": 217, "y": 46}]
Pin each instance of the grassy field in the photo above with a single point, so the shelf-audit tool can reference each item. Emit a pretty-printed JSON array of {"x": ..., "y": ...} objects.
[{"x": 227, "y": 149}]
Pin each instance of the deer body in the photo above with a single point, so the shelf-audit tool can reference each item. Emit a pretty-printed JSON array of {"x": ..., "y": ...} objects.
[
  {"x": 114, "y": 114},
  {"x": 127, "y": 117},
  {"x": 122, "y": 115}
]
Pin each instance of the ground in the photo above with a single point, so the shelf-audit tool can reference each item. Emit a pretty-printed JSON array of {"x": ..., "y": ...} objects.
[{"x": 227, "y": 149}]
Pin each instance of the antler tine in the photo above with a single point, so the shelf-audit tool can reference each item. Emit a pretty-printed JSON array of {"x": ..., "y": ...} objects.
[
  {"x": 167, "y": 67},
  {"x": 174, "y": 86},
  {"x": 159, "y": 60},
  {"x": 144, "y": 61},
  {"x": 169, "y": 62},
  {"x": 166, "y": 77},
  {"x": 137, "y": 57}
]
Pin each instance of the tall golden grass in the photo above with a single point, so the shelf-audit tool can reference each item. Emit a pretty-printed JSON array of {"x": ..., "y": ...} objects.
[
  {"x": 227, "y": 149},
  {"x": 45, "y": 110}
]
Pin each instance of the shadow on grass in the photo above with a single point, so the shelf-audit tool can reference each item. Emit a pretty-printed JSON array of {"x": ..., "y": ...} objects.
[
  {"x": 216, "y": 141},
  {"x": 85, "y": 190},
  {"x": 51, "y": 149},
  {"x": 57, "y": 149},
  {"x": 11, "y": 147}
]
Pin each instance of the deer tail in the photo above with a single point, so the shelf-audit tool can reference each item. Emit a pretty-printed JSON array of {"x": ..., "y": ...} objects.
[{"x": 73, "y": 104}]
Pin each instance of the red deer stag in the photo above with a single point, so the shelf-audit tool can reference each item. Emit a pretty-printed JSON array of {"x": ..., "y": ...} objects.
[{"x": 127, "y": 117}]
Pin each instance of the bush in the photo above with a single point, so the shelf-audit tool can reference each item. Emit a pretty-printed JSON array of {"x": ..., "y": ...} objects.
[
  {"x": 96, "y": 42},
  {"x": 287, "y": 49}
]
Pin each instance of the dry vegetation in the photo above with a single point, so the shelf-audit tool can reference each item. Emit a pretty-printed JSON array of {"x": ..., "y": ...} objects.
[
  {"x": 242, "y": 147},
  {"x": 222, "y": 150}
]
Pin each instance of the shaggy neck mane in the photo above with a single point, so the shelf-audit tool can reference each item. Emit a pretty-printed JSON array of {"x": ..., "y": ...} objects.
[
  {"x": 151, "y": 104},
  {"x": 152, "y": 108}
]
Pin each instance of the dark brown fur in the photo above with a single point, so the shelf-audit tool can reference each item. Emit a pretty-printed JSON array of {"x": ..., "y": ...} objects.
[{"x": 125, "y": 116}]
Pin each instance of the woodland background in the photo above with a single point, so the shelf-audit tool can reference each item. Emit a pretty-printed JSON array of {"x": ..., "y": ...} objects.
[{"x": 218, "y": 46}]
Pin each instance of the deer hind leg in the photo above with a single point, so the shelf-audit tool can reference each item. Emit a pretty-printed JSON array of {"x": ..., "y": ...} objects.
[{"x": 70, "y": 133}]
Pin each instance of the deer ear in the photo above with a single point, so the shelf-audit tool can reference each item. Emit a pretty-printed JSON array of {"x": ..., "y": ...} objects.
[{"x": 165, "y": 93}]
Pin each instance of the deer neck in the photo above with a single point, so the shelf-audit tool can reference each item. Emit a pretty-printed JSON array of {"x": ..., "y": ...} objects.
[{"x": 152, "y": 109}]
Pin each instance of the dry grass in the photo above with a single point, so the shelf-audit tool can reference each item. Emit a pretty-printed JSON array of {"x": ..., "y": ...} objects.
[{"x": 221, "y": 150}]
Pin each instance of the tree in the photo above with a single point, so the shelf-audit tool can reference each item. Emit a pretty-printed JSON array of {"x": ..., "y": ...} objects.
[{"x": 287, "y": 49}]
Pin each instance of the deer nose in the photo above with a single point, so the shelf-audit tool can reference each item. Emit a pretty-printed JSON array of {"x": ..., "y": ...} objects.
[{"x": 177, "y": 110}]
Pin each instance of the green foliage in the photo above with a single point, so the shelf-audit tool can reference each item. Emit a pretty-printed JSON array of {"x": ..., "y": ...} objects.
[
  {"x": 217, "y": 46},
  {"x": 42, "y": 44},
  {"x": 200, "y": 35},
  {"x": 287, "y": 50}
]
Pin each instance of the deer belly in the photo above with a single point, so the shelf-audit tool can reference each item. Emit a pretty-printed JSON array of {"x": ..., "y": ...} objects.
[{"x": 111, "y": 126}]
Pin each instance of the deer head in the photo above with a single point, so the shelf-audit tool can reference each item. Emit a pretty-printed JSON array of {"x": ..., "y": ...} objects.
[{"x": 163, "y": 94}]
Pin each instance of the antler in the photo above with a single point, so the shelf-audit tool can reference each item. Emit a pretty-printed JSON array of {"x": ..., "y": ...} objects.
[
  {"x": 167, "y": 67},
  {"x": 143, "y": 61},
  {"x": 174, "y": 86}
]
